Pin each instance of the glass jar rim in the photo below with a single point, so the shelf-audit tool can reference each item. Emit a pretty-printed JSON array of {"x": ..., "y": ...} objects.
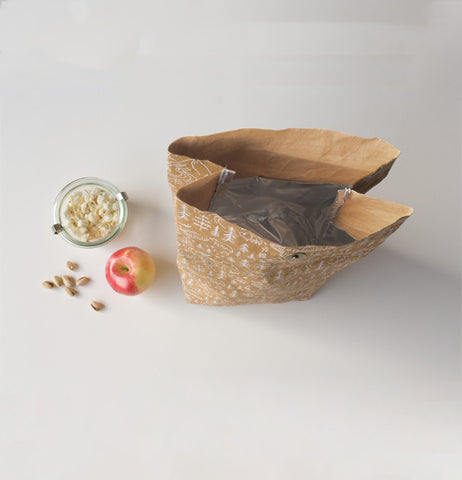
[{"x": 120, "y": 196}]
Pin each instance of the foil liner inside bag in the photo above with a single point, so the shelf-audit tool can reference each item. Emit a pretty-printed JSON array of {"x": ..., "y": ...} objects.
[{"x": 284, "y": 212}]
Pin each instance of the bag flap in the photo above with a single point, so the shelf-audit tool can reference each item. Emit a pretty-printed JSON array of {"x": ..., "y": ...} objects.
[{"x": 305, "y": 155}]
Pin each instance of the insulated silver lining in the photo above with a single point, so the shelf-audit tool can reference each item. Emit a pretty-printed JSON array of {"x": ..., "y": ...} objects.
[{"x": 284, "y": 212}]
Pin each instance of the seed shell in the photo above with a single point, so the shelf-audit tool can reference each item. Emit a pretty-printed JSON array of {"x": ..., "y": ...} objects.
[
  {"x": 72, "y": 265},
  {"x": 58, "y": 281},
  {"x": 97, "y": 306},
  {"x": 82, "y": 281},
  {"x": 48, "y": 284},
  {"x": 68, "y": 281},
  {"x": 70, "y": 291}
]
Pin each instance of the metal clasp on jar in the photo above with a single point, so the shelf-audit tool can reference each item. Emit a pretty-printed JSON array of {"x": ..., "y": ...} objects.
[{"x": 57, "y": 228}]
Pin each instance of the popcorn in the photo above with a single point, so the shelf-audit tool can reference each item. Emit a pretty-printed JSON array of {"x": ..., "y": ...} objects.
[{"x": 90, "y": 214}]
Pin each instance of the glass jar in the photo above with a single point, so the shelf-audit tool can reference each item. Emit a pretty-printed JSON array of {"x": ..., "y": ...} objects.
[{"x": 77, "y": 223}]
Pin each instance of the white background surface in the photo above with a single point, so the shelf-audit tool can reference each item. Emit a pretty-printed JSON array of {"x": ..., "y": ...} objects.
[{"x": 363, "y": 381}]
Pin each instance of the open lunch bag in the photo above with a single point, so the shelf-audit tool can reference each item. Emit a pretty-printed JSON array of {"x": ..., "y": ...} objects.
[{"x": 267, "y": 216}]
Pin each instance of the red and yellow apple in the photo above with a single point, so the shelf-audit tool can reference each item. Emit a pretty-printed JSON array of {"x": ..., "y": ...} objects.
[{"x": 130, "y": 271}]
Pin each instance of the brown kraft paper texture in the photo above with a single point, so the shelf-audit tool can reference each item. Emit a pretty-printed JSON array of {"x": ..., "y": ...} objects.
[{"x": 221, "y": 263}]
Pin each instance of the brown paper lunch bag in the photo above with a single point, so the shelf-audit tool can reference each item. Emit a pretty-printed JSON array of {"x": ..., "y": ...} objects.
[{"x": 221, "y": 263}]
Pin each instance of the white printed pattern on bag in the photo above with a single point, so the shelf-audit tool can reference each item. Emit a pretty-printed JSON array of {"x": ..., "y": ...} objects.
[{"x": 223, "y": 264}]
